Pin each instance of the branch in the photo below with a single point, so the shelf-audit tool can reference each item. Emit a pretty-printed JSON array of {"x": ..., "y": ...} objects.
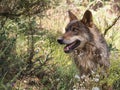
[
  {"x": 108, "y": 28},
  {"x": 6, "y": 14}
]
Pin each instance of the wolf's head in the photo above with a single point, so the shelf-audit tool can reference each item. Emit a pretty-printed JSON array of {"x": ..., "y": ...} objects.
[{"x": 77, "y": 32}]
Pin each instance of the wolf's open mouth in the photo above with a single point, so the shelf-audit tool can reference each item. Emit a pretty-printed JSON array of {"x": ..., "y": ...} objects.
[{"x": 69, "y": 47}]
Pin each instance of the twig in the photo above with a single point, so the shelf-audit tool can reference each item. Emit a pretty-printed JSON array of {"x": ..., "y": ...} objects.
[{"x": 108, "y": 28}]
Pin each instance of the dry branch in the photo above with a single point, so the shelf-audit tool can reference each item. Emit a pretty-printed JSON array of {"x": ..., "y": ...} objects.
[{"x": 109, "y": 27}]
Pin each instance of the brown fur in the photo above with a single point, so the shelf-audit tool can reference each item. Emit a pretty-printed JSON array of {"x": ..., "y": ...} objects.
[{"x": 92, "y": 52}]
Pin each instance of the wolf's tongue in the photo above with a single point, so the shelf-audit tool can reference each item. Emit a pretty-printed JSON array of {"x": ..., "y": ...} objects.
[
  {"x": 66, "y": 49},
  {"x": 69, "y": 47}
]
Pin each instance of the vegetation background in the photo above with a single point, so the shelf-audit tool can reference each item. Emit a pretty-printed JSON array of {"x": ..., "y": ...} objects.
[{"x": 30, "y": 57}]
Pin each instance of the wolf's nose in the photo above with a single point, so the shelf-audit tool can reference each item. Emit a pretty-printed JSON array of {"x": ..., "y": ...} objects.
[{"x": 60, "y": 41}]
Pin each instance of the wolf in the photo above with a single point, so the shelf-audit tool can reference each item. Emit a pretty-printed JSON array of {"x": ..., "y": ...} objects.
[{"x": 88, "y": 47}]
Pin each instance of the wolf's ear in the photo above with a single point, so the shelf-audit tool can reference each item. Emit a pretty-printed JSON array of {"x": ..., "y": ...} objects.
[
  {"x": 87, "y": 18},
  {"x": 72, "y": 16}
]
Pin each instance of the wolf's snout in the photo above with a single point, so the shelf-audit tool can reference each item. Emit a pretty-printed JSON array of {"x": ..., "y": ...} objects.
[{"x": 60, "y": 41}]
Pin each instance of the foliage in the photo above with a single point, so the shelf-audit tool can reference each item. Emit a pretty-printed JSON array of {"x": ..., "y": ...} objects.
[{"x": 17, "y": 29}]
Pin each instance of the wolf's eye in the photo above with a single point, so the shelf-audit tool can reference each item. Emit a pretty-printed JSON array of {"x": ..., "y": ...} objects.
[{"x": 74, "y": 29}]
